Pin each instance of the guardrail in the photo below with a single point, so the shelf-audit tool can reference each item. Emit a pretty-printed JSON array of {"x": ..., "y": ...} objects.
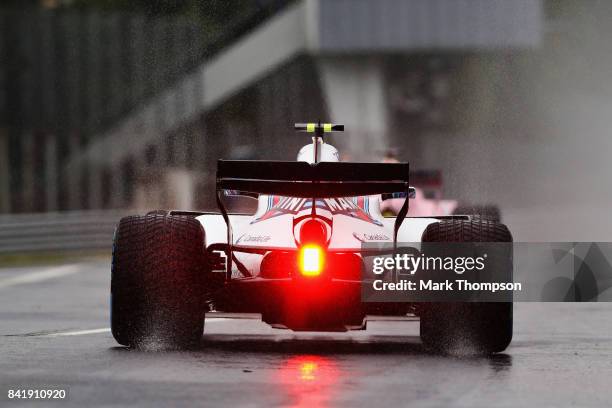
[{"x": 60, "y": 231}]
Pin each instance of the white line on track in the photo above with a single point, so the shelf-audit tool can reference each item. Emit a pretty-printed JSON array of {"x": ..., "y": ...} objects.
[
  {"x": 33, "y": 277},
  {"x": 80, "y": 332},
  {"x": 107, "y": 329}
]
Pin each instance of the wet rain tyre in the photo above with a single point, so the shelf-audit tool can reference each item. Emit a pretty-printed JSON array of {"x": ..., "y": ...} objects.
[
  {"x": 158, "y": 281},
  {"x": 455, "y": 327}
]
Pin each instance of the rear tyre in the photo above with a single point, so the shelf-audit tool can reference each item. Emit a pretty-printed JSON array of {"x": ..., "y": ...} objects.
[
  {"x": 158, "y": 281},
  {"x": 470, "y": 327}
]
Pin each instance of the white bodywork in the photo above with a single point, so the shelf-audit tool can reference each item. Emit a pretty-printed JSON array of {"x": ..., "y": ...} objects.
[{"x": 354, "y": 221}]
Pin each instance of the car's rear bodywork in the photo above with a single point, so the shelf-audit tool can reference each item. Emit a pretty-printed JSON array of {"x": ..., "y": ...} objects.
[{"x": 260, "y": 251}]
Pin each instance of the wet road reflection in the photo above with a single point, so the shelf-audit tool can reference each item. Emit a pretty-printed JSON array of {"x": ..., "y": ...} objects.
[
  {"x": 309, "y": 380},
  {"x": 322, "y": 371},
  {"x": 314, "y": 370},
  {"x": 500, "y": 363}
]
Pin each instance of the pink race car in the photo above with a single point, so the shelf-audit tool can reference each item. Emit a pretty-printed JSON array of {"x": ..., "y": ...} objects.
[{"x": 428, "y": 201}]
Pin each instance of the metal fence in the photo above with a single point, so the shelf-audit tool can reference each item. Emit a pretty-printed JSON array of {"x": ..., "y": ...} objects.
[{"x": 67, "y": 231}]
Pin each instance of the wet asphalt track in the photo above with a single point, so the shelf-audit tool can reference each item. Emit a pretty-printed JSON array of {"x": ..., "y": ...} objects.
[{"x": 54, "y": 332}]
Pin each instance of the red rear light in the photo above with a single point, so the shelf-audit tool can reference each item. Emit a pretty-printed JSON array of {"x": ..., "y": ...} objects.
[
  {"x": 311, "y": 263},
  {"x": 311, "y": 260}
]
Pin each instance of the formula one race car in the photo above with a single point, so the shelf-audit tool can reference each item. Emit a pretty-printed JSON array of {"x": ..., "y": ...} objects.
[{"x": 298, "y": 261}]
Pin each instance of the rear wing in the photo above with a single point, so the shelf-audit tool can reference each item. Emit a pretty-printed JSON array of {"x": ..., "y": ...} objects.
[{"x": 317, "y": 180}]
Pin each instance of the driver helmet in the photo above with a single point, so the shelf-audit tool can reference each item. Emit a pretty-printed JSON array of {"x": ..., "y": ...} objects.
[{"x": 327, "y": 153}]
